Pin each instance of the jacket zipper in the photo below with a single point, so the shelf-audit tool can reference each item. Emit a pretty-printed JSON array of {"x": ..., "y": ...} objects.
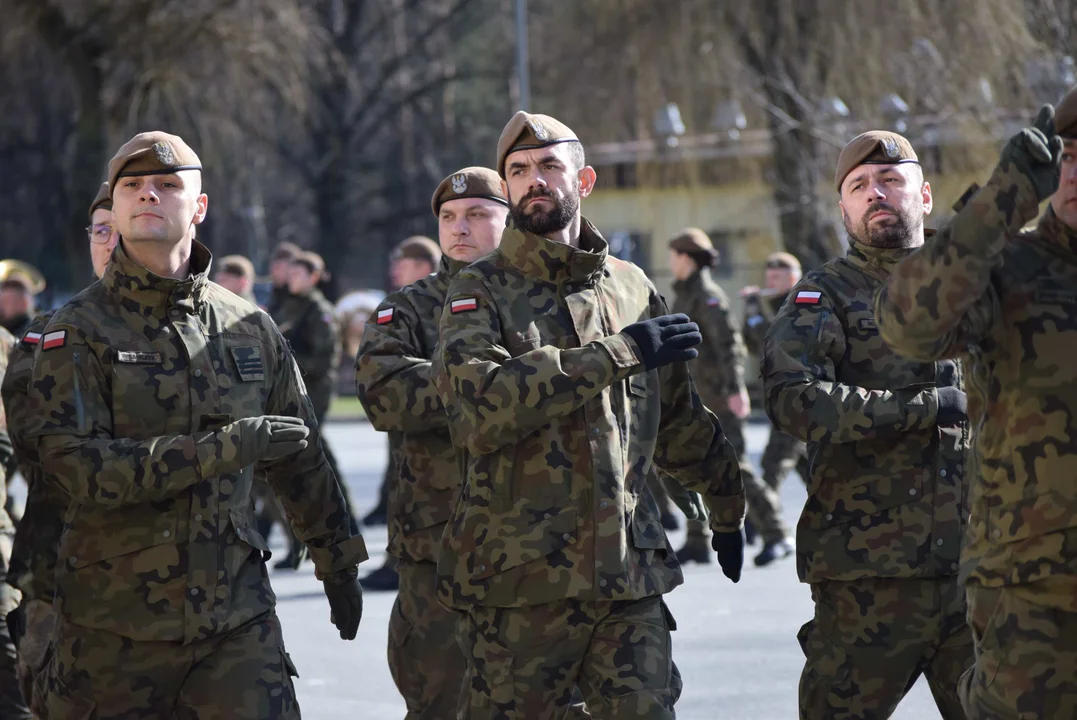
[{"x": 80, "y": 409}]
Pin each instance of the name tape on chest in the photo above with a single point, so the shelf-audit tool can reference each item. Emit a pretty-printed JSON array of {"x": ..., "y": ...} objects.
[
  {"x": 138, "y": 357},
  {"x": 32, "y": 338},
  {"x": 464, "y": 304},
  {"x": 808, "y": 297},
  {"x": 53, "y": 340},
  {"x": 385, "y": 316}
]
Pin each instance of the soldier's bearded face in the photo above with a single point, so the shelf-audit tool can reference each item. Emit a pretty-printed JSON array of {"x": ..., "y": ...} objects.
[
  {"x": 543, "y": 187},
  {"x": 542, "y": 212},
  {"x": 1064, "y": 201},
  {"x": 884, "y": 205},
  {"x": 469, "y": 228},
  {"x": 158, "y": 208}
]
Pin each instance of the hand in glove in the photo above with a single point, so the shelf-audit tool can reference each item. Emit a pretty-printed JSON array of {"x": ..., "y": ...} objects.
[
  {"x": 345, "y": 603},
  {"x": 690, "y": 503},
  {"x": 256, "y": 439},
  {"x": 1037, "y": 152},
  {"x": 665, "y": 339},
  {"x": 730, "y": 549},
  {"x": 953, "y": 406}
]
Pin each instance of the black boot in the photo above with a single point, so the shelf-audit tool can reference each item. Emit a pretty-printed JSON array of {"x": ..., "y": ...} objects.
[
  {"x": 774, "y": 551},
  {"x": 696, "y": 549},
  {"x": 383, "y": 579}
]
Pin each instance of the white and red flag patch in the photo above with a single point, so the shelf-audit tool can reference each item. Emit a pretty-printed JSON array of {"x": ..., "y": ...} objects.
[
  {"x": 54, "y": 340},
  {"x": 385, "y": 316},
  {"x": 808, "y": 297},
  {"x": 31, "y": 338},
  {"x": 463, "y": 304}
]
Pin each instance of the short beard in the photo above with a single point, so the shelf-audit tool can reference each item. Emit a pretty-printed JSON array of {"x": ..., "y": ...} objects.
[
  {"x": 541, "y": 222},
  {"x": 896, "y": 235}
]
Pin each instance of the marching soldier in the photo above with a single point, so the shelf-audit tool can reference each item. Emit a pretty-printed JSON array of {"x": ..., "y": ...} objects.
[
  {"x": 394, "y": 382},
  {"x": 566, "y": 384},
  {"x": 154, "y": 394},
  {"x": 783, "y": 451},
  {"x": 719, "y": 378},
  {"x": 1004, "y": 299},
  {"x": 881, "y": 531}
]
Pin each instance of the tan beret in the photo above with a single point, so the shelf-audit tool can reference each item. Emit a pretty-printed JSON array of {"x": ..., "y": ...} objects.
[
  {"x": 285, "y": 251},
  {"x": 19, "y": 281},
  {"x": 151, "y": 153},
  {"x": 237, "y": 265},
  {"x": 1066, "y": 115},
  {"x": 693, "y": 240},
  {"x": 471, "y": 182},
  {"x": 783, "y": 261},
  {"x": 418, "y": 247},
  {"x": 102, "y": 200},
  {"x": 310, "y": 260},
  {"x": 875, "y": 147},
  {"x": 529, "y": 132}
]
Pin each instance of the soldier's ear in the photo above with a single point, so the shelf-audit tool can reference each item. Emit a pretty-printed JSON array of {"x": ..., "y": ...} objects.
[
  {"x": 587, "y": 177},
  {"x": 925, "y": 192},
  {"x": 844, "y": 215}
]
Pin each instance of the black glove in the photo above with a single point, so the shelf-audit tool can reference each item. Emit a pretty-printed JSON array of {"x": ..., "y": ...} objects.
[
  {"x": 345, "y": 603},
  {"x": 953, "y": 406},
  {"x": 665, "y": 339},
  {"x": 16, "y": 625},
  {"x": 730, "y": 549},
  {"x": 946, "y": 374},
  {"x": 1037, "y": 152}
]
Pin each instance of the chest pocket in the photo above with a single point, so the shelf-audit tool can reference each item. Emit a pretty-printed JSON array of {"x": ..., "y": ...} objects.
[{"x": 149, "y": 392}]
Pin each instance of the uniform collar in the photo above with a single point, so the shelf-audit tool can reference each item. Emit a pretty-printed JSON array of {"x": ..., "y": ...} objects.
[
  {"x": 877, "y": 261},
  {"x": 448, "y": 267},
  {"x": 1058, "y": 233},
  {"x": 553, "y": 261},
  {"x": 153, "y": 292},
  {"x": 693, "y": 281}
]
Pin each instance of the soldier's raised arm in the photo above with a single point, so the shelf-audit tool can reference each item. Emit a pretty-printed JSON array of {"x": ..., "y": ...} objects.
[
  {"x": 393, "y": 379},
  {"x": 940, "y": 299},
  {"x": 802, "y": 395}
]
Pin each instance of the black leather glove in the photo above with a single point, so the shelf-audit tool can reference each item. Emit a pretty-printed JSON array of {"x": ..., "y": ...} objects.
[
  {"x": 345, "y": 603},
  {"x": 665, "y": 339},
  {"x": 953, "y": 406},
  {"x": 1037, "y": 152},
  {"x": 16, "y": 625},
  {"x": 730, "y": 549},
  {"x": 945, "y": 373}
]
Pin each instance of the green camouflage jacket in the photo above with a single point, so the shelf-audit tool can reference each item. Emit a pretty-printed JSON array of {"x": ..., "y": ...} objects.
[
  {"x": 33, "y": 557},
  {"x": 311, "y": 329},
  {"x": 562, "y": 427},
  {"x": 759, "y": 314},
  {"x": 718, "y": 372},
  {"x": 1007, "y": 301},
  {"x": 887, "y": 493},
  {"x": 130, "y": 382},
  {"x": 394, "y": 382}
]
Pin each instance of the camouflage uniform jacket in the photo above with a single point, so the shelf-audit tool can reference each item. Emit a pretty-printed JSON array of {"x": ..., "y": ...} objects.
[
  {"x": 562, "y": 427},
  {"x": 311, "y": 330},
  {"x": 718, "y": 372},
  {"x": 7, "y": 342},
  {"x": 887, "y": 492},
  {"x": 1007, "y": 301},
  {"x": 759, "y": 314},
  {"x": 393, "y": 380},
  {"x": 33, "y": 557},
  {"x": 131, "y": 378}
]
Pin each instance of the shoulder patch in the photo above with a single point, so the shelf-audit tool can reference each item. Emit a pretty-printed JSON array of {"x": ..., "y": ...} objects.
[
  {"x": 32, "y": 338},
  {"x": 385, "y": 316},
  {"x": 463, "y": 304},
  {"x": 54, "y": 340},
  {"x": 808, "y": 297}
]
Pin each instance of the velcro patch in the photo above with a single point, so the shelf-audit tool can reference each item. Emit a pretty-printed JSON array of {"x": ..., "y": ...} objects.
[
  {"x": 248, "y": 363},
  {"x": 385, "y": 316},
  {"x": 32, "y": 338},
  {"x": 867, "y": 324},
  {"x": 808, "y": 297},
  {"x": 138, "y": 357},
  {"x": 464, "y": 304},
  {"x": 54, "y": 340},
  {"x": 1052, "y": 296}
]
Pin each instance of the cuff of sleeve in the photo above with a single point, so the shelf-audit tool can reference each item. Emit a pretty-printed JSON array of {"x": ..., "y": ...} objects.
[
  {"x": 623, "y": 351},
  {"x": 340, "y": 557},
  {"x": 931, "y": 407},
  {"x": 726, "y": 512},
  {"x": 209, "y": 455},
  {"x": 1009, "y": 181}
]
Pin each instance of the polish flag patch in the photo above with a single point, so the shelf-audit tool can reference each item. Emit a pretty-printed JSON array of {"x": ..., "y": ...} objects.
[
  {"x": 385, "y": 316},
  {"x": 32, "y": 338},
  {"x": 713, "y": 302},
  {"x": 54, "y": 340},
  {"x": 463, "y": 305},
  {"x": 808, "y": 297}
]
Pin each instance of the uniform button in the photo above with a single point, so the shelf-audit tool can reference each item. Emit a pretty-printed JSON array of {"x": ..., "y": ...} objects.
[
  {"x": 407, "y": 527},
  {"x": 830, "y": 516},
  {"x": 595, "y": 431},
  {"x": 482, "y": 568},
  {"x": 167, "y": 533},
  {"x": 996, "y": 533},
  {"x": 603, "y": 504},
  {"x": 942, "y": 472},
  {"x": 939, "y": 542},
  {"x": 198, "y": 518},
  {"x": 567, "y": 537},
  {"x": 912, "y": 491},
  {"x": 175, "y": 312},
  {"x": 602, "y": 582},
  {"x": 198, "y": 373},
  {"x": 954, "y": 567},
  {"x": 193, "y": 591}
]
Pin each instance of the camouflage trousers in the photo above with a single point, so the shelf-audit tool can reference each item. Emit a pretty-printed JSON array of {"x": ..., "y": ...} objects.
[
  {"x": 35, "y": 649},
  {"x": 783, "y": 453},
  {"x": 424, "y": 658},
  {"x": 1026, "y": 658},
  {"x": 242, "y": 675},
  {"x": 872, "y": 638},
  {"x": 764, "y": 507},
  {"x": 525, "y": 663}
]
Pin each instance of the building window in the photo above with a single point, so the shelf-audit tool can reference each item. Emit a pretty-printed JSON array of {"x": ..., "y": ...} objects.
[{"x": 630, "y": 245}]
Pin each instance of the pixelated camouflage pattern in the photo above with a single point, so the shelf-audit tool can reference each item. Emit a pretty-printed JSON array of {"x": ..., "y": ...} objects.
[
  {"x": 240, "y": 674},
  {"x": 872, "y": 638},
  {"x": 782, "y": 453},
  {"x": 1026, "y": 657},
  {"x": 37, "y": 537},
  {"x": 1007, "y": 302},
  {"x": 33, "y": 654},
  {"x": 525, "y": 663},
  {"x": 127, "y": 416},
  {"x": 563, "y": 427},
  {"x": 759, "y": 314},
  {"x": 718, "y": 372},
  {"x": 310, "y": 326},
  {"x": 394, "y": 382},
  {"x": 887, "y": 493}
]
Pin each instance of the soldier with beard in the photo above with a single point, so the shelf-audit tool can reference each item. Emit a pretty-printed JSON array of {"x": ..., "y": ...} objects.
[
  {"x": 567, "y": 385},
  {"x": 881, "y": 532}
]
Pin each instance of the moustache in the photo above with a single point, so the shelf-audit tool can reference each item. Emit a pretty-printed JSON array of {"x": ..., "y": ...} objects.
[
  {"x": 879, "y": 207},
  {"x": 535, "y": 194}
]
